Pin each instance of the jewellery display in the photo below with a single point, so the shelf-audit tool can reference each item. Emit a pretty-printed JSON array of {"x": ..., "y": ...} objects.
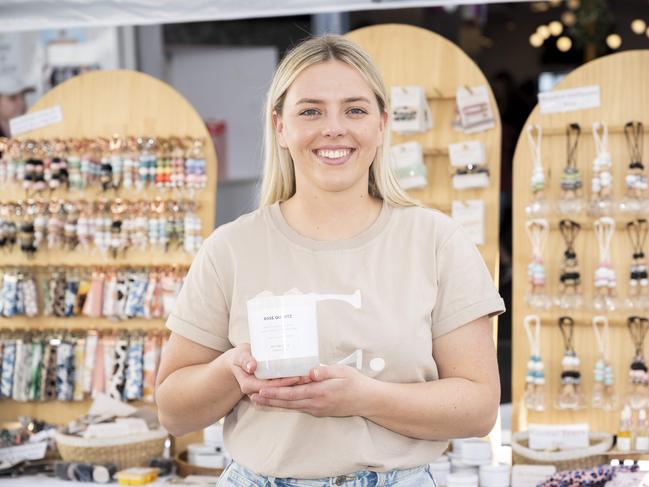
[
  {"x": 605, "y": 279},
  {"x": 604, "y": 396},
  {"x": 635, "y": 180},
  {"x": 121, "y": 162},
  {"x": 537, "y": 297},
  {"x": 570, "y": 396},
  {"x": 638, "y": 395},
  {"x": 571, "y": 201},
  {"x": 62, "y": 365},
  {"x": 601, "y": 202},
  {"x": 570, "y": 296},
  {"x": 534, "y": 398},
  {"x": 538, "y": 205},
  {"x": 112, "y": 227},
  {"x": 638, "y": 296}
]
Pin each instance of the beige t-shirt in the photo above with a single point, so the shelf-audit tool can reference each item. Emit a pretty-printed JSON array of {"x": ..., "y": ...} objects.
[{"x": 419, "y": 276}]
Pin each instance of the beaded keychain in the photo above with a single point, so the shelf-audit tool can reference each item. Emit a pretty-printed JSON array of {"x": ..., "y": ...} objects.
[
  {"x": 534, "y": 398},
  {"x": 537, "y": 231},
  {"x": 604, "y": 396},
  {"x": 635, "y": 179},
  {"x": 75, "y": 180},
  {"x": 571, "y": 184},
  {"x": 639, "y": 277},
  {"x": 116, "y": 161},
  {"x": 538, "y": 206},
  {"x": 26, "y": 235},
  {"x": 602, "y": 183},
  {"x": 55, "y": 225},
  {"x": 605, "y": 279},
  {"x": 195, "y": 177},
  {"x": 570, "y": 396},
  {"x": 105, "y": 167},
  {"x": 638, "y": 395},
  {"x": 570, "y": 296}
]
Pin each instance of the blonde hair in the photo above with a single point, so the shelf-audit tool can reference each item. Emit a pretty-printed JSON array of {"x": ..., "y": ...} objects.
[{"x": 278, "y": 183}]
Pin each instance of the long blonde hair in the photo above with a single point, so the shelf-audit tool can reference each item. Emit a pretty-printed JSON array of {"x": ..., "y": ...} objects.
[{"x": 278, "y": 183}]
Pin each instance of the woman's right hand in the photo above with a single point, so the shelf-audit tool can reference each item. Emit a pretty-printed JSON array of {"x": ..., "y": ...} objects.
[{"x": 243, "y": 366}]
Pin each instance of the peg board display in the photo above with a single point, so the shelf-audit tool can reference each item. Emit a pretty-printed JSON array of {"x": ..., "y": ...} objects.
[
  {"x": 94, "y": 105},
  {"x": 407, "y": 56},
  {"x": 622, "y": 79}
]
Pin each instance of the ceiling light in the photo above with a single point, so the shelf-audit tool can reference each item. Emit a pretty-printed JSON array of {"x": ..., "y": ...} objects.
[
  {"x": 556, "y": 27},
  {"x": 543, "y": 31},
  {"x": 638, "y": 26},
  {"x": 614, "y": 41},
  {"x": 569, "y": 18},
  {"x": 536, "y": 40},
  {"x": 573, "y": 4},
  {"x": 564, "y": 43}
]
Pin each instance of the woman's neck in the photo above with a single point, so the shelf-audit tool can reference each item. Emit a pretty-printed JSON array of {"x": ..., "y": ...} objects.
[{"x": 336, "y": 216}]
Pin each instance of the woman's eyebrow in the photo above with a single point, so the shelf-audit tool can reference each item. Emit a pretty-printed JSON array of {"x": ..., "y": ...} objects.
[{"x": 315, "y": 101}]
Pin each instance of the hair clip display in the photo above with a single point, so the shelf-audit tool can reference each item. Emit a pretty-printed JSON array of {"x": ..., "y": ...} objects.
[
  {"x": 604, "y": 396},
  {"x": 635, "y": 179},
  {"x": 571, "y": 201},
  {"x": 570, "y": 295},
  {"x": 570, "y": 396},
  {"x": 605, "y": 278},
  {"x": 537, "y": 297},
  {"x": 638, "y": 395},
  {"x": 638, "y": 296},
  {"x": 534, "y": 398},
  {"x": 538, "y": 206},
  {"x": 601, "y": 202}
]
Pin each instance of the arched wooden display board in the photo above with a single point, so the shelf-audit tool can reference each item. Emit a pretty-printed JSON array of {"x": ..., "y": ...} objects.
[
  {"x": 100, "y": 104},
  {"x": 623, "y": 80},
  {"x": 409, "y": 55}
]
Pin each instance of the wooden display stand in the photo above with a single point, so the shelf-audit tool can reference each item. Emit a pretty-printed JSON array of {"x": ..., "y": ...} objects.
[
  {"x": 409, "y": 55},
  {"x": 622, "y": 79},
  {"x": 100, "y": 104}
]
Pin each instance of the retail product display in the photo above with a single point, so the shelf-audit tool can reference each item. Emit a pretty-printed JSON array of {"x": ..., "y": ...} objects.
[
  {"x": 469, "y": 161},
  {"x": 410, "y": 111},
  {"x": 638, "y": 296},
  {"x": 535, "y": 380},
  {"x": 408, "y": 164},
  {"x": 537, "y": 296},
  {"x": 570, "y": 395},
  {"x": 474, "y": 109},
  {"x": 121, "y": 162},
  {"x": 604, "y": 396},
  {"x": 601, "y": 202},
  {"x": 571, "y": 200},
  {"x": 570, "y": 296},
  {"x": 638, "y": 394},
  {"x": 538, "y": 205},
  {"x": 48, "y": 365},
  {"x": 635, "y": 200}
]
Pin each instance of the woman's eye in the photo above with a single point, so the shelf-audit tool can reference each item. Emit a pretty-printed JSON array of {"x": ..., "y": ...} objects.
[
  {"x": 357, "y": 111},
  {"x": 309, "y": 112}
]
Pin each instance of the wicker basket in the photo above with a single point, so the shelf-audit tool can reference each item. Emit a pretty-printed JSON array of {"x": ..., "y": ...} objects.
[
  {"x": 185, "y": 468},
  {"x": 132, "y": 451},
  {"x": 594, "y": 455}
]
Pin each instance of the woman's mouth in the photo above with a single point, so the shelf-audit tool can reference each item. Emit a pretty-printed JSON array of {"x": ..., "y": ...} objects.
[{"x": 334, "y": 157}]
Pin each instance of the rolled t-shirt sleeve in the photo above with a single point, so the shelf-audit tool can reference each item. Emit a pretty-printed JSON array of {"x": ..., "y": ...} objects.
[
  {"x": 466, "y": 290},
  {"x": 201, "y": 313}
]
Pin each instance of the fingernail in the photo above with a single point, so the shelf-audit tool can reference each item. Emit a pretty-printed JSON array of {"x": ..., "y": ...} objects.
[
  {"x": 248, "y": 367},
  {"x": 316, "y": 373}
]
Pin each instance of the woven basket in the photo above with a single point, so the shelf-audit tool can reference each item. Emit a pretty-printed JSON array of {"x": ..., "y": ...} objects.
[
  {"x": 124, "y": 452},
  {"x": 592, "y": 456}
]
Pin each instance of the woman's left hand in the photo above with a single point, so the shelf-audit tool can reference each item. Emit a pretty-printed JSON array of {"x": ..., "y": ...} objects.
[{"x": 330, "y": 390}]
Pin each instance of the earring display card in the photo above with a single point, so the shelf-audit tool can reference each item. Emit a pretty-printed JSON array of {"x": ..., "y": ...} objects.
[
  {"x": 410, "y": 111},
  {"x": 470, "y": 153},
  {"x": 408, "y": 164},
  {"x": 474, "y": 108},
  {"x": 471, "y": 214},
  {"x": 478, "y": 180}
]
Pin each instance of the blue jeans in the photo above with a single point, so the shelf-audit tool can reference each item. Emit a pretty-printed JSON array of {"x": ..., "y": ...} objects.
[{"x": 237, "y": 476}]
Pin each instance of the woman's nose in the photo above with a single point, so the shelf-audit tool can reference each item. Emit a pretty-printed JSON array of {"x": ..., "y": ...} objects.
[{"x": 333, "y": 127}]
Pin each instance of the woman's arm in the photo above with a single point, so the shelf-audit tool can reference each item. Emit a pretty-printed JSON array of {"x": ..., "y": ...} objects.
[
  {"x": 196, "y": 385},
  {"x": 464, "y": 402}
]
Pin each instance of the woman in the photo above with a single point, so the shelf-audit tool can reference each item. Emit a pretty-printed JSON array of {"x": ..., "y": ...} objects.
[{"x": 332, "y": 219}]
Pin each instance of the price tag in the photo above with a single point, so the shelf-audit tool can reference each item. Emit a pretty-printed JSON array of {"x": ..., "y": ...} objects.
[
  {"x": 474, "y": 108},
  {"x": 561, "y": 101},
  {"x": 559, "y": 436}
]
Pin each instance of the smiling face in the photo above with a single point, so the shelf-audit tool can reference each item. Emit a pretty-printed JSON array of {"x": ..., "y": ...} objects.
[{"x": 332, "y": 126}]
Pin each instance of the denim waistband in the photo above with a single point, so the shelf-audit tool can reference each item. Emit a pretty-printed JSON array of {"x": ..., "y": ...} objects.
[{"x": 236, "y": 475}]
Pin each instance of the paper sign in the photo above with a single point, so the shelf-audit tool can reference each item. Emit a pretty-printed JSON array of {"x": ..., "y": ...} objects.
[
  {"x": 531, "y": 475},
  {"x": 569, "y": 100},
  {"x": 35, "y": 120},
  {"x": 470, "y": 153},
  {"x": 30, "y": 451},
  {"x": 560, "y": 436}
]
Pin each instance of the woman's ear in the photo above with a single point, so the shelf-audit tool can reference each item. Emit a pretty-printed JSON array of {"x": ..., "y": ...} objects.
[
  {"x": 278, "y": 124},
  {"x": 383, "y": 126}
]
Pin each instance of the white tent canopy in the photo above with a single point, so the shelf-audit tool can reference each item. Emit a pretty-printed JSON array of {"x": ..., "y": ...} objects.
[{"x": 25, "y": 15}]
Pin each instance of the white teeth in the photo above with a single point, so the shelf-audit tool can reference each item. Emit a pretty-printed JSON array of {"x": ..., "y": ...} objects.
[{"x": 333, "y": 154}]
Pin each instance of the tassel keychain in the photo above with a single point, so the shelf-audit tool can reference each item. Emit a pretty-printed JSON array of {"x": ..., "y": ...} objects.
[
  {"x": 537, "y": 297},
  {"x": 534, "y": 398},
  {"x": 570, "y": 396},
  {"x": 635, "y": 179},
  {"x": 605, "y": 278},
  {"x": 638, "y": 395},
  {"x": 570, "y": 296},
  {"x": 571, "y": 202},
  {"x": 604, "y": 396},
  {"x": 638, "y": 297},
  {"x": 601, "y": 202},
  {"x": 538, "y": 206}
]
